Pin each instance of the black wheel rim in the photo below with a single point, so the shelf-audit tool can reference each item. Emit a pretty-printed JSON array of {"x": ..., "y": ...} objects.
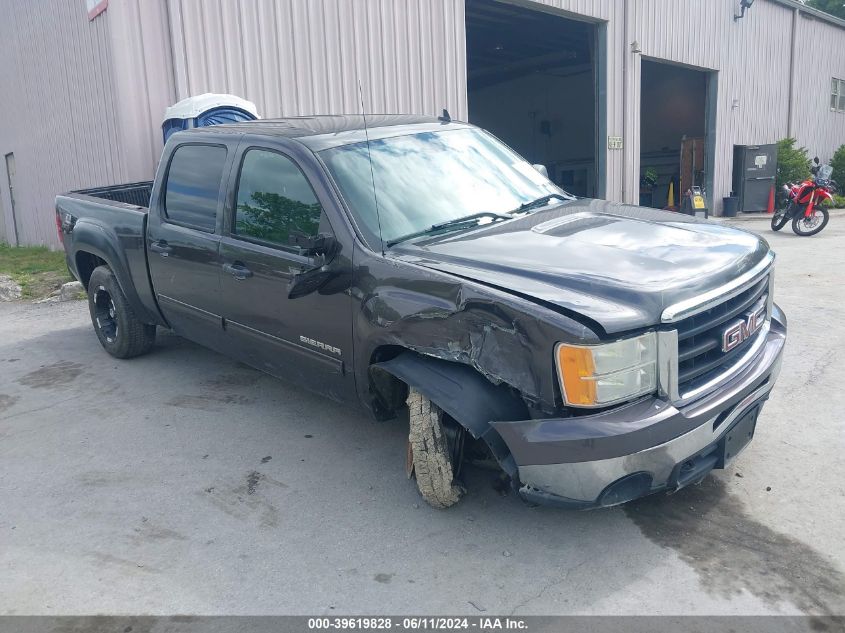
[{"x": 105, "y": 314}]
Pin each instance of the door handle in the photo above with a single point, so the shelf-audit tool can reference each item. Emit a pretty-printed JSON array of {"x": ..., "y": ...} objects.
[
  {"x": 161, "y": 248},
  {"x": 237, "y": 270}
]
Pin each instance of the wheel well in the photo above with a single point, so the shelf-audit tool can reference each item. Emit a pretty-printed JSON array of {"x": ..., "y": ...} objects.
[
  {"x": 389, "y": 393},
  {"x": 85, "y": 265},
  {"x": 459, "y": 390}
]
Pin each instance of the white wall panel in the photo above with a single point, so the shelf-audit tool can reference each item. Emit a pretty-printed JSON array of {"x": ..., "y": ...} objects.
[
  {"x": 143, "y": 87},
  {"x": 83, "y": 100},
  {"x": 297, "y": 57},
  {"x": 58, "y": 110},
  {"x": 751, "y": 56},
  {"x": 820, "y": 56}
]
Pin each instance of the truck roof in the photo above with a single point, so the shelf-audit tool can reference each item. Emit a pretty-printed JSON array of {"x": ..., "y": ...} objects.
[{"x": 324, "y": 131}]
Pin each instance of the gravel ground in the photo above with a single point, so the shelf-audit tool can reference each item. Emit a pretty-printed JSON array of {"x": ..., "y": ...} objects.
[{"x": 182, "y": 482}]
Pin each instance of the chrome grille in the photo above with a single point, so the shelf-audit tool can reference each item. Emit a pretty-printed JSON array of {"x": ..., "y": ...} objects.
[{"x": 700, "y": 355}]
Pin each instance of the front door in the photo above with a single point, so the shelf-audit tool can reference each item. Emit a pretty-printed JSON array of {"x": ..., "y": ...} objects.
[
  {"x": 306, "y": 339},
  {"x": 184, "y": 241}
]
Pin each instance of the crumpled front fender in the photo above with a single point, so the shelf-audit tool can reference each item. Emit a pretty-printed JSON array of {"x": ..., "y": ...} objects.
[{"x": 464, "y": 394}]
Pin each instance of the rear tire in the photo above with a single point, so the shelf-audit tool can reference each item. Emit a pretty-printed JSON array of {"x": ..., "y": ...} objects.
[
  {"x": 120, "y": 332},
  {"x": 779, "y": 219},
  {"x": 800, "y": 227},
  {"x": 433, "y": 454}
]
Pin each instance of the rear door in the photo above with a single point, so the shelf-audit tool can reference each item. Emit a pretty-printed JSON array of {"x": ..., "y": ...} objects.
[
  {"x": 305, "y": 339},
  {"x": 183, "y": 240}
]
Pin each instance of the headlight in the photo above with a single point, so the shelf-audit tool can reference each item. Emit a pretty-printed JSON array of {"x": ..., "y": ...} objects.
[{"x": 600, "y": 375}]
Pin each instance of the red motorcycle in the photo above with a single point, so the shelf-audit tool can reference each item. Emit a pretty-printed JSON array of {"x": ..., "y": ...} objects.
[{"x": 804, "y": 203}]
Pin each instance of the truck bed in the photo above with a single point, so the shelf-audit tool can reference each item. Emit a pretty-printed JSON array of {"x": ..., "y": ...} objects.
[
  {"x": 109, "y": 225},
  {"x": 134, "y": 193}
]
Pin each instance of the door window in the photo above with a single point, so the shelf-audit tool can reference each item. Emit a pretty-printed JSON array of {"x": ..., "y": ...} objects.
[
  {"x": 193, "y": 185},
  {"x": 274, "y": 200}
]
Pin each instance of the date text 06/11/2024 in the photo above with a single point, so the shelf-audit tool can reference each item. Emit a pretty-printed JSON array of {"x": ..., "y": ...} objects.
[{"x": 418, "y": 623}]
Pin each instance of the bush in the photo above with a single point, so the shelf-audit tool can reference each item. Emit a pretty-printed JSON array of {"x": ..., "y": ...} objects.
[
  {"x": 793, "y": 163},
  {"x": 833, "y": 7},
  {"x": 838, "y": 164},
  {"x": 838, "y": 202}
]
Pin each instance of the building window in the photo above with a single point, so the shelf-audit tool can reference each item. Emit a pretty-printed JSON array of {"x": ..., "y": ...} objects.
[{"x": 837, "y": 95}]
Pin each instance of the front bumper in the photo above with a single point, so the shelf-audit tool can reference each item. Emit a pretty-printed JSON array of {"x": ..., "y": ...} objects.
[{"x": 647, "y": 446}]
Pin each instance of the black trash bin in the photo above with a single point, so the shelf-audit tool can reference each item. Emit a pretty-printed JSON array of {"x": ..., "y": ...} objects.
[{"x": 731, "y": 204}]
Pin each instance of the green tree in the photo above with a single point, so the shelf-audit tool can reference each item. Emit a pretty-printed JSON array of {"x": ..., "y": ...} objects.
[
  {"x": 833, "y": 7},
  {"x": 838, "y": 164},
  {"x": 793, "y": 163},
  {"x": 273, "y": 217}
]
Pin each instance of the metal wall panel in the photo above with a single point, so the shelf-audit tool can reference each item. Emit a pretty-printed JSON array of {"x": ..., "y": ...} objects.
[
  {"x": 752, "y": 104},
  {"x": 750, "y": 56},
  {"x": 297, "y": 57},
  {"x": 820, "y": 55},
  {"x": 59, "y": 112},
  {"x": 306, "y": 57},
  {"x": 143, "y": 88},
  {"x": 84, "y": 100}
]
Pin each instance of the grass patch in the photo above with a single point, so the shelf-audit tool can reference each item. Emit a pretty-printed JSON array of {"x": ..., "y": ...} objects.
[{"x": 37, "y": 269}]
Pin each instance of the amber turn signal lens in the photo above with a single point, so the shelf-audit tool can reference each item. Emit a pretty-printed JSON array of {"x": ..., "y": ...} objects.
[
  {"x": 607, "y": 373},
  {"x": 576, "y": 364}
]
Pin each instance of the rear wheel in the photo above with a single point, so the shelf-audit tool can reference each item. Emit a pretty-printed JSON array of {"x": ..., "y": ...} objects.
[
  {"x": 435, "y": 445},
  {"x": 779, "y": 219},
  {"x": 120, "y": 332},
  {"x": 806, "y": 226}
]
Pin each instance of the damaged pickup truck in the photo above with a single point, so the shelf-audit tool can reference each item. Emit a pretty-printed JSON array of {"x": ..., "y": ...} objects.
[{"x": 598, "y": 352}]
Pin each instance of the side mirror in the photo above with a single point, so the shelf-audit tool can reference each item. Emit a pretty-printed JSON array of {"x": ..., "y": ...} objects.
[
  {"x": 322, "y": 244},
  {"x": 816, "y": 160},
  {"x": 542, "y": 169},
  {"x": 310, "y": 281},
  {"x": 321, "y": 249}
]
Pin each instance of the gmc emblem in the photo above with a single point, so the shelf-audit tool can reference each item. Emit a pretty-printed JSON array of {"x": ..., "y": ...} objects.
[{"x": 741, "y": 330}]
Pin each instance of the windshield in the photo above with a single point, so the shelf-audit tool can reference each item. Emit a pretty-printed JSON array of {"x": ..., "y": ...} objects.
[
  {"x": 825, "y": 172},
  {"x": 430, "y": 178}
]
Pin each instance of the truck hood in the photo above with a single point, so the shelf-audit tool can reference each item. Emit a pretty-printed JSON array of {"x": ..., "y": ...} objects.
[{"x": 619, "y": 266}]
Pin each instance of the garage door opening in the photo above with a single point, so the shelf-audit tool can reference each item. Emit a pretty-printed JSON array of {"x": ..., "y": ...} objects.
[
  {"x": 674, "y": 133},
  {"x": 531, "y": 81}
]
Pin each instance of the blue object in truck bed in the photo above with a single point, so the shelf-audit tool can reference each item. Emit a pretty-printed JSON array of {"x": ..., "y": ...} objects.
[{"x": 207, "y": 109}]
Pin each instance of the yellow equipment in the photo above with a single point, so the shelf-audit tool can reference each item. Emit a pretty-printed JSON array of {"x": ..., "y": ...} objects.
[{"x": 694, "y": 203}]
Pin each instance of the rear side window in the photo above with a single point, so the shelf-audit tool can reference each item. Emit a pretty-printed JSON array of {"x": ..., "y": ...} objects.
[
  {"x": 275, "y": 200},
  {"x": 193, "y": 185}
]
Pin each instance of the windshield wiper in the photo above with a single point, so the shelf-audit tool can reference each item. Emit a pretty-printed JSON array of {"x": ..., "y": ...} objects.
[
  {"x": 470, "y": 218},
  {"x": 540, "y": 202},
  {"x": 448, "y": 224}
]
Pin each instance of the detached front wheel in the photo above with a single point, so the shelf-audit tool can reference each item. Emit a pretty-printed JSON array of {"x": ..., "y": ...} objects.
[
  {"x": 435, "y": 444},
  {"x": 120, "y": 332}
]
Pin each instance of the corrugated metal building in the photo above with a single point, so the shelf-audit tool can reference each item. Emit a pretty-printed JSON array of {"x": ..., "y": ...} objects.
[{"x": 600, "y": 90}]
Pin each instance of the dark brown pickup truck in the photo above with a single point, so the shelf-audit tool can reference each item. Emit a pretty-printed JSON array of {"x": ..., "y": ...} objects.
[{"x": 598, "y": 352}]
